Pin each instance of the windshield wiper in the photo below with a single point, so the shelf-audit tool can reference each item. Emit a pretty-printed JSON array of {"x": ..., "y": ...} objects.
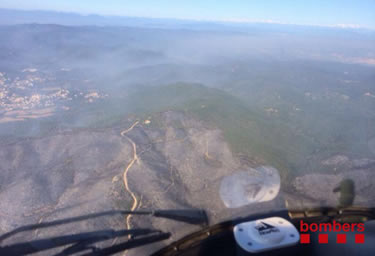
[
  {"x": 84, "y": 241},
  {"x": 77, "y": 239},
  {"x": 191, "y": 216}
]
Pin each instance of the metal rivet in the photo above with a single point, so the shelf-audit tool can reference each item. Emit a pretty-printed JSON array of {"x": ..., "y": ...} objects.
[
  {"x": 249, "y": 243},
  {"x": 240, "y": 229}
]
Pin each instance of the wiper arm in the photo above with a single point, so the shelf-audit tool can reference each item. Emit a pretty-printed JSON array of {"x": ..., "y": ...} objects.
[
  {"x": 80, "y": 241},
  {"x": 88, "y": 238},
  {"x": 191, "y": 216}
]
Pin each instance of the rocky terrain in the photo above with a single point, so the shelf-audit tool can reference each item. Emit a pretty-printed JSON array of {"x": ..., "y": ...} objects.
[
  {"x": 181, "y": 162},
  {"x": 180, "y": 165},
  {"x": 317, "y": 188}
]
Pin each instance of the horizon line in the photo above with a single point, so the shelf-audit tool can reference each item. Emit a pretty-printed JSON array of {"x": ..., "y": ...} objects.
[{"x": 243, "y": 21}]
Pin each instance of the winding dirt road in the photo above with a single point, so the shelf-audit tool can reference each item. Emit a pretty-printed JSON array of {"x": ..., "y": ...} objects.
[{"x": 126, "y": 171}]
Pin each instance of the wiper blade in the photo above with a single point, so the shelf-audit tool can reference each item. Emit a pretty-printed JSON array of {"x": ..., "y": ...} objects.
[
  {"x": 191, "y": 216},
  {"x": 81, "y": 241},
  {"x": 88, "y": 238}
]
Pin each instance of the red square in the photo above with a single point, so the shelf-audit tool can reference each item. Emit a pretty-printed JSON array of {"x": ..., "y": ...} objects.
[
  {"x": 323, "y": 238},
  {"x": 305, "y": 238},
  {"x": 341, "y": 238},
  {"x": 359, "y": 238}
]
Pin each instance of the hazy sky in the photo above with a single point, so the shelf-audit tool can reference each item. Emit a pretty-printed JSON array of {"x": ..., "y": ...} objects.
[{"x": 314, "y": 12}]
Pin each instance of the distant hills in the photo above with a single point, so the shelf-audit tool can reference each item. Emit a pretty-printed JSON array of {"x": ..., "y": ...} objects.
[{"x": 12, "y": 17}]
